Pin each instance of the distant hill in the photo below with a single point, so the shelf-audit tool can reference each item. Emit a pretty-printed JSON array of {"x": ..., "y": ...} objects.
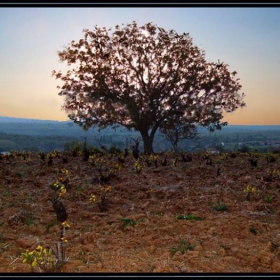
[
  {"x": 35, "y": 127},
  {"x": 23, "y": 120},
  {"x": 228, "y": 128}
]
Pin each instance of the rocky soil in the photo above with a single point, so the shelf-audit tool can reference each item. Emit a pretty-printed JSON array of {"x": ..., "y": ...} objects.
[{"x": 181, "y": 216}]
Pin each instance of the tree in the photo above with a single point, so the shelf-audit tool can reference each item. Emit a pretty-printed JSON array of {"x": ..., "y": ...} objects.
[
  {"x": 178, "y": 133},
  {"x": 144, "y": 78}
]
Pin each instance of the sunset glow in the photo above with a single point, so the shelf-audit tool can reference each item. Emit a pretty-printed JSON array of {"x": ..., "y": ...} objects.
[{"x": 247, "y": 39}]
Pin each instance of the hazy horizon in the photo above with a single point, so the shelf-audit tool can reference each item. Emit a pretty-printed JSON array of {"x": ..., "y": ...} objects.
[
  {"x": 72, "y": 121},
  {"x": 245, "y": 38}
]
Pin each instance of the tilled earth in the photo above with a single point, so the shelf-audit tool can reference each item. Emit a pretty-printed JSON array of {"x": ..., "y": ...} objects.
[{"x": 183, "y": 217}]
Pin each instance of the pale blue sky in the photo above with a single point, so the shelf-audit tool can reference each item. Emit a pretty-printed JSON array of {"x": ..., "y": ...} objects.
[{"x": 248, "y": 39}]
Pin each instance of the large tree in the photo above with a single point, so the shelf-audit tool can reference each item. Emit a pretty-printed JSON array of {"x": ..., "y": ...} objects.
[{"x": 144, "y": 78}]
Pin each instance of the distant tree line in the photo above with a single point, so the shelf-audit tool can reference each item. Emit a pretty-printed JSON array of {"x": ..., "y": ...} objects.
[
  {"x": 224, "y": 142},
  {"x": 15, "y": 142}
]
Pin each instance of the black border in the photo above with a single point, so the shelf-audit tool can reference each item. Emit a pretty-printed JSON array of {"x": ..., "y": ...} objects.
[
  {"x": 135, "y": 4},
  {"x": 137, "y": 275}
]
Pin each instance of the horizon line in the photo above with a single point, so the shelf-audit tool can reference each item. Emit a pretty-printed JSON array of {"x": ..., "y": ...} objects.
[{"x": 73, "y": 121}]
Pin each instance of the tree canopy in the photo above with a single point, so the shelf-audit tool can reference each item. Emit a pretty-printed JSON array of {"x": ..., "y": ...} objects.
[{"x": 144, "y": 78}]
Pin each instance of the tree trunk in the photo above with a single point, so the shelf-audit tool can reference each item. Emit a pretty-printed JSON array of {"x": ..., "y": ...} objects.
[
  {"x": 149, "y": 139},
  {"x": 175, "y": 148},
  {"x": 148, "y": 142}
]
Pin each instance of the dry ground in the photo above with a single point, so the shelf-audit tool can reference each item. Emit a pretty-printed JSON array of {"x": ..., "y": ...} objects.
[{"x": 185, "y": 218}]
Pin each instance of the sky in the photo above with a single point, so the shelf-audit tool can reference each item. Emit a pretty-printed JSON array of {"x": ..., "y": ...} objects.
[{"x": 245, "y": 38}]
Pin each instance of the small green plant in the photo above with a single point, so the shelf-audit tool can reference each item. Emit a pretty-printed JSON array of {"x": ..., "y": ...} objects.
[
  {"x": 137, "y": 166},
  {"x": 29, "y": 219},
  {"x": 2, "y": 237},
  {"x": 79, "y": 188},
  {"x": 159, "y": 214},
  {"x": 148, "y": 193},
  {"x": 62, "y": 183},
  {"x": 103, "y": 204},
  {"x": 83, "y": 256},
  {"x": 249, "y": 190},
  {"x": 220, "y": 207},
  {"x": 51, "y": 224},
  {"x": 188, "y": 217},
  {"x": 40, "y": 259},
  {"x": 253, "y": 230},
  {"x": 61, "y": 215},
  {"x": 28, "y": 214},
  {"x": 268, "y": 198},
  {"x": 183, "y": 247},
  {"x": 6, "y": 193},
  {"x": 20, "y": 174},
  {"x": 174, "y": 162},
  {"x": 127, "y": 222}
]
